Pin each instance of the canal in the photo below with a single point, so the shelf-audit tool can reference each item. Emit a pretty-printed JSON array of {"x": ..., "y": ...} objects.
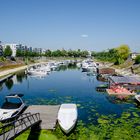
[{"x": 71, "y": 85}]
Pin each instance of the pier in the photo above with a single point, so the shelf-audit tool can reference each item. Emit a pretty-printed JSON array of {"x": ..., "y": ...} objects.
[{"x": 48, "y": 115}]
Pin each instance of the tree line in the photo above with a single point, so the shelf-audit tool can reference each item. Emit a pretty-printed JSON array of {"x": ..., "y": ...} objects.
[
  {"x": 55, "y": 53},
  {"x": 116, "y": 55}
]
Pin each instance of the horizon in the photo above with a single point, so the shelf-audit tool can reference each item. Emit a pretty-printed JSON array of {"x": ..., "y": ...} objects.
[{"x": 82, "y": 24}]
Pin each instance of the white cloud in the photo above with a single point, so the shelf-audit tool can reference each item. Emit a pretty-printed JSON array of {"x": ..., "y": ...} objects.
[{"x": 84, "y": 35}]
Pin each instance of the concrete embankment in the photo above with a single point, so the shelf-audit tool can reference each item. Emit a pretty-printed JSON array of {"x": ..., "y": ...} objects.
[
  {"x": 129, "y": 70},
  {"x": 11, "y": 71}
]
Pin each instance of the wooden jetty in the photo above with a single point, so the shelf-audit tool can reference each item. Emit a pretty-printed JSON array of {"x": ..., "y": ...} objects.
[{"x": 48, "y": 115}]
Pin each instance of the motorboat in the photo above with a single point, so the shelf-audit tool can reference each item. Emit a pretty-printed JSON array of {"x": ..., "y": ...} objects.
[
  {"x": 53, "y": 65},
  {"x": 91, "y": 68},
  {"x": 36, "y": 72},
  {"x": 137, "y": 97},
  {"x": 84, "y": 67},
  {"x": 12, "y": 106},
  {"x": 78, "y": 64},
  {"x": 45, "y": 68},
  {"x": 67, "y": 117}
]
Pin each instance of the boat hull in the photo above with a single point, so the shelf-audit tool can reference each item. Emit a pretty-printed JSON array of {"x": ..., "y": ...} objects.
[
  {"x": 36, "y": 73},
  {"x": 137, "y": 97},
  {"x": 67, "y": 117},
  {"x": 10, "y": 109}
]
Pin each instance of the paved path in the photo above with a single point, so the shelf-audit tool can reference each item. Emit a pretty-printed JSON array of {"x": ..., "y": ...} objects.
[
  {"x": 14, "y": 70},
  {"x": 48, "y": 114},
  {"x": 10, "y": 71}
]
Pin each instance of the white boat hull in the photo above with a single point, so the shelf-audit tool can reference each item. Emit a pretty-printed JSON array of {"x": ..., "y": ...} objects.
[
  {"x": 8, "y": 113},
  {"x": 137, "y": 97},
  {"x": 35, "y": 72},
  {"x": 67, "y": 117},
  {"x": 9, "y": 110}
]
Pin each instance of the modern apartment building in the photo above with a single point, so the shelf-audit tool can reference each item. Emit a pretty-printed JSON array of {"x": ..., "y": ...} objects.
[{"x": 13, "y": 48}]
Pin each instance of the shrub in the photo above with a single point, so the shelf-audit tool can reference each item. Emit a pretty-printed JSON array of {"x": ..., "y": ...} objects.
[{"x": 137, "y": 60}]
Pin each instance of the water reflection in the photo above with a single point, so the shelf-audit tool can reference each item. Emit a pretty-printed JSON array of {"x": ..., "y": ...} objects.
[
  {"x": 39, "y": 77},
  {"x": 9, "y": 84},
  {"x": 20, "y": 76},
  {"x": 100, "y": 78},
  {"x": 120, "y": 99},
  {"x": 1, "y": 86},
  {"x": 66, "y": 67}
]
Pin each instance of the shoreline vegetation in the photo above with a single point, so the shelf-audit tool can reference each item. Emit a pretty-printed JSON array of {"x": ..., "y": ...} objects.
[
  {"x": 127, "y": 68},
  {"x": 117, "y": 58}
]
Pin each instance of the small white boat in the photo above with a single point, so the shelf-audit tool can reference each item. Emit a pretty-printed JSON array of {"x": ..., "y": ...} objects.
[
  {"x": 67, "y": 117},
  {"x": 78, "y": 65},
  {"x": 36, "y": 72},
  {"x": 45, "y": 68},
  {"x": 137, "y": 97},
  {"x": 12, "y": 106},
  {"x": 92, "y": 69}
]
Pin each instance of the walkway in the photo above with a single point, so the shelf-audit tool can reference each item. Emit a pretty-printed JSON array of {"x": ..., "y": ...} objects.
[{"x": 48, "y": 115}]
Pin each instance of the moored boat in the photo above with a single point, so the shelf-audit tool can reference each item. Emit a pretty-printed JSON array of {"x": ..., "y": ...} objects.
[
  {"x": 67, "y": 117},
  {"x": 137, "y": 97},
  {"x": 36, "y": 72},
  {"x": 12, "y": 106}
]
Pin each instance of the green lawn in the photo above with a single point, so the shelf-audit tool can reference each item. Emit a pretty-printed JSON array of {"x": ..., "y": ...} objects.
[{"x": 42, "y": 135}]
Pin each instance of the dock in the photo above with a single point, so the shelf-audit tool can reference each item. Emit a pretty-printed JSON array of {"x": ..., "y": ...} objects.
[{"x": 48, "y": 115}]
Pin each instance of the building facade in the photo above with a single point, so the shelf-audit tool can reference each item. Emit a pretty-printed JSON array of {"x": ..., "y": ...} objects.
[
  {"x": 134, "y": 55},
  {"x": 13, "y": 48}
]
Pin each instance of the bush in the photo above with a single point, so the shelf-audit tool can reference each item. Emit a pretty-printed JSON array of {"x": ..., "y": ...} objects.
[
  {"x": 137, "y": 60},
  {"x": 13, "y": 58},
  {"x": 2, "y": 58}
]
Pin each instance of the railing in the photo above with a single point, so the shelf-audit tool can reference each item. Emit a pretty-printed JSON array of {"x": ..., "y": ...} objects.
[{"x": 14, "y": 126}]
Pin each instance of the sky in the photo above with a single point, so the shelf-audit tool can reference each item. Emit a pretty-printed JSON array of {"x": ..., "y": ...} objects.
[{"x": 71, "y": 24}]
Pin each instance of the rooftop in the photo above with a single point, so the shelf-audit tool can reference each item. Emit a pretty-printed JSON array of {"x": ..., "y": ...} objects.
[{"x": 125, "y": 79}]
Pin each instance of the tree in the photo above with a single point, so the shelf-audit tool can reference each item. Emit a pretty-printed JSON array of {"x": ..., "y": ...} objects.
[
  {"x": 64, "y": 53},
  {"x": 19, "y": 53},
  {"x": 122, "y": 54},
  {"x": 84, "y": 53},
  {"x": 137, "y": 60},
  {"x": 48, "y": 53},
  {"x": 7, "y": 51}
]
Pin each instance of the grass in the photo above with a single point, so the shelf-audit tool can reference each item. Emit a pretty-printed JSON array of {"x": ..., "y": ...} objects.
[
  {"x": 126, "y": 64},
  {"x": 137, "y": 70},
  {"x": 40, "y": 135},
  {"x": 7, "y": 67}
]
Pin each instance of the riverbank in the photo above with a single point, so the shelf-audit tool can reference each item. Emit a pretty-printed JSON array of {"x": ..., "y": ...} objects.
[
  {"x": 11, "y": 71},
  {"x": 14, "y": 70},
  {"x": 13, "y": 66},
  {"x": 127, "y": 68}
]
